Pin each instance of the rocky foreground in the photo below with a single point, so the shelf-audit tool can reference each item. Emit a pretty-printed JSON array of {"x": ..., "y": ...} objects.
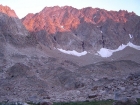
[{"x": 49, "y": 79}]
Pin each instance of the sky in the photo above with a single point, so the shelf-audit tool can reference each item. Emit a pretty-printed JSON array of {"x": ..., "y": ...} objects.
[{"x": 23, "y": 7}]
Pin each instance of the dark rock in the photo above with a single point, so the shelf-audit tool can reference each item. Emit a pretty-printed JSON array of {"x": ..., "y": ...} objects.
[
  {"x": 46, "y": 103},
  {"x": 94, "y": 88},
  {"x": 126, "y": 102},
  {"x": 93, "y": 96}
]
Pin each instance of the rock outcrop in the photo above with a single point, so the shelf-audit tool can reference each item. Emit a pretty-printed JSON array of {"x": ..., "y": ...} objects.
[{"x": 11, "y": 28}]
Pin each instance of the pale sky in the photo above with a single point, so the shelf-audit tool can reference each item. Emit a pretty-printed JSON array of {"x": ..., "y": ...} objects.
[{"x": 23, "y": 7}]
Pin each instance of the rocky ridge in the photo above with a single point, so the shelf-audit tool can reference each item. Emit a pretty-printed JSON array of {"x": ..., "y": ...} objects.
[
  {"x": 8, "y": 11},
  {"x": 87, "y": 29}
]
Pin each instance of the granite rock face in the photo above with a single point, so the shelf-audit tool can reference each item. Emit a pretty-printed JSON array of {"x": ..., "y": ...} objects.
[{"x": 83, "y": 29}]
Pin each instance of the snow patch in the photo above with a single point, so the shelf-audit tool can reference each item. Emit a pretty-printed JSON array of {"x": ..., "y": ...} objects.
[
  {"x": 104, "y": 52},
  {"x": 101, "y": 31},
  {"x": 131, "y": 36},
  {"x": 134, "y": 46},
  {"x": 75, "y": 53},
  {"x": 62, "y": 26}
]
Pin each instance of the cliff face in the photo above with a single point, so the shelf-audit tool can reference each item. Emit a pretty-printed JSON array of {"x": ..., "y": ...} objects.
[{"x": 86, "y": 29}]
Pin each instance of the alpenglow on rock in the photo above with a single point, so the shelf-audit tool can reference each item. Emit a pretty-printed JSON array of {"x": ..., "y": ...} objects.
[{"x": 88, "y": 29}]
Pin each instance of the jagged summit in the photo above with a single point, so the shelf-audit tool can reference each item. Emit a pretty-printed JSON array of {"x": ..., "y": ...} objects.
[
  {"x": 71, "y": 17},
  {"x": 7, "y": 10}
]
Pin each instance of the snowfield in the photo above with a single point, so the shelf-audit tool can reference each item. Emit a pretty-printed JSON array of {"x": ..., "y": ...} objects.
[
  {"x": 104, "y": 52},
  {"x": 75, "y": 53}
]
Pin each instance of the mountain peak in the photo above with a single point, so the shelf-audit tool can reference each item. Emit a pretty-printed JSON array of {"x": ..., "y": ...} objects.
[
  {"x": 7, "y": 10},
  {"x": 57, "y": 8},
  {"x": 81, "y": 29}
]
